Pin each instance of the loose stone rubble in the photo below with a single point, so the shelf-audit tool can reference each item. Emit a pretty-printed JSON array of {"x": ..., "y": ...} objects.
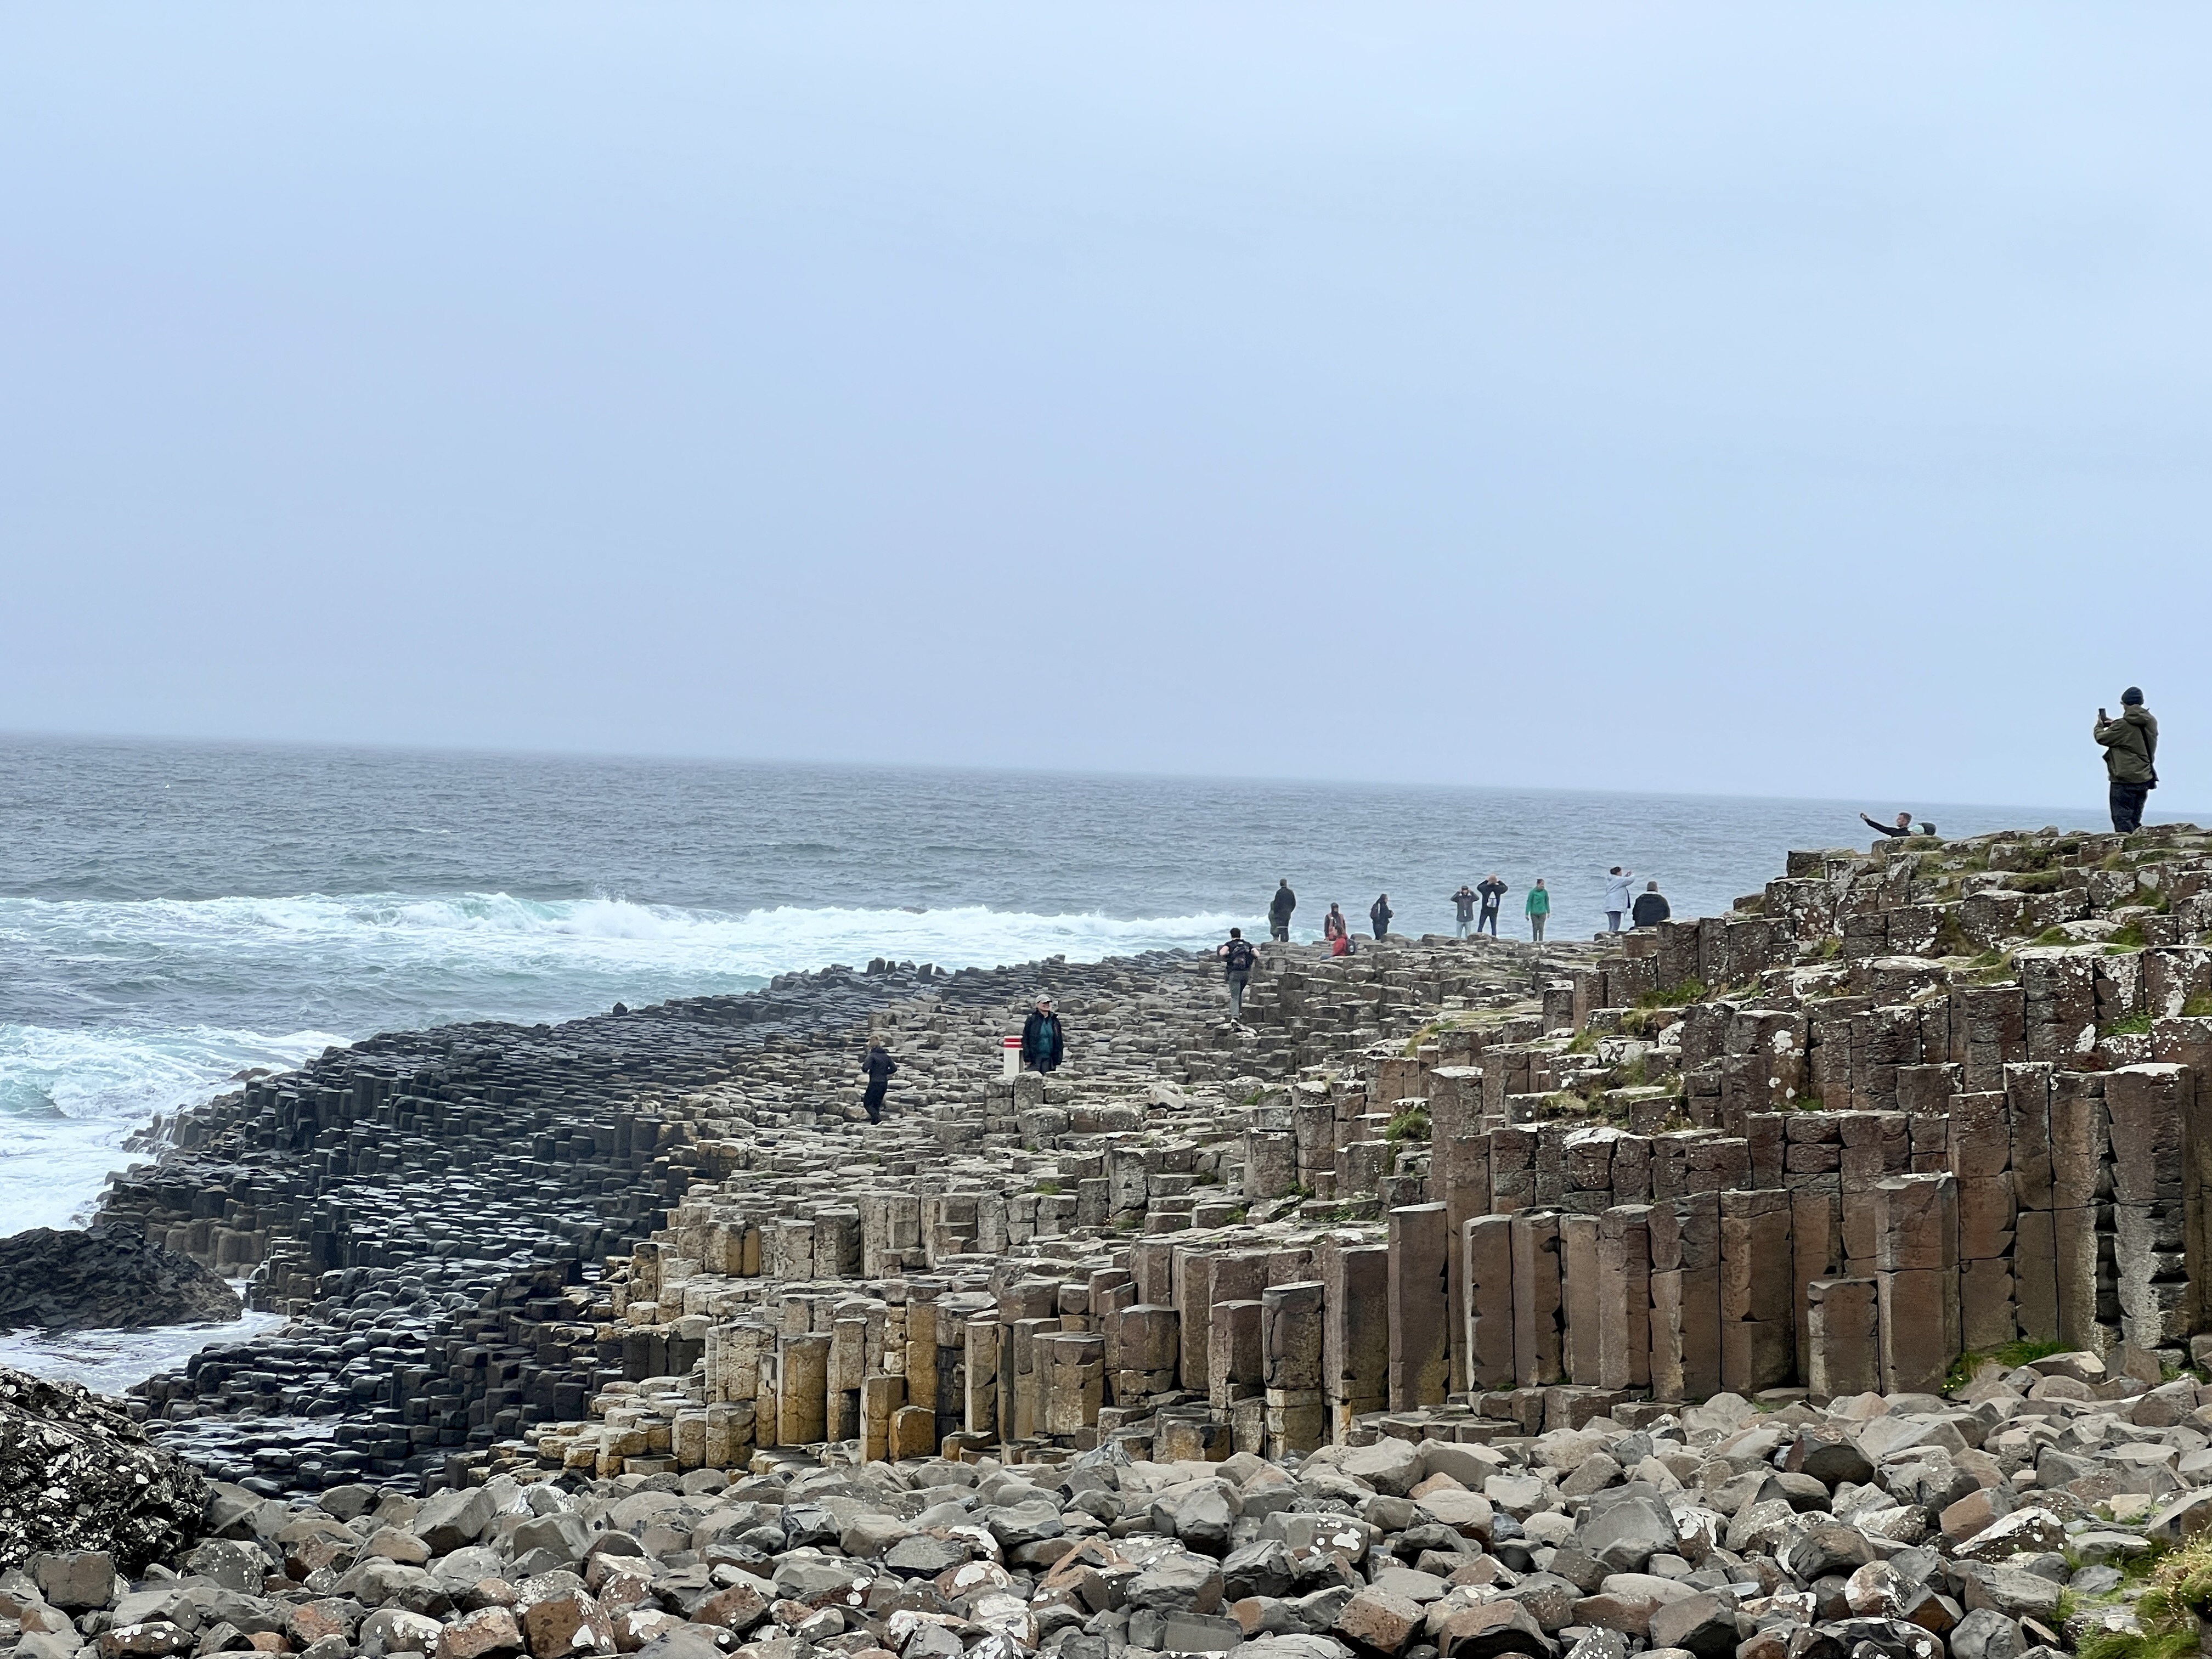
[{"x": 1470, "y": 1299}]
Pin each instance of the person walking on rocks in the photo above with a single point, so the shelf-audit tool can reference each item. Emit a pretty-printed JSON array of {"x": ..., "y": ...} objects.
[
  {"x": 1237, "y": 957},
  {"x": 1538, "y": 907},
  {"x": 1493, "y": 891},
  {"x": 1379, "y": 914},
  {"x": 1278, "y": 911},
  {"x": 879, "y": 1066},
  {"x": 1651, "y": 906},
  {"x": 2130, "y": 758},
  {"x": 1616, "y": 897},
  {"x": 1334, "y": 929},
  {"x": 1044, "y": 1040},
  {"x": 1463, "y": 903}
]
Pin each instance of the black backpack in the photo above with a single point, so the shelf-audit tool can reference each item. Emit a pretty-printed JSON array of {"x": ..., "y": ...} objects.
[{"x": 1239, "y": 955}]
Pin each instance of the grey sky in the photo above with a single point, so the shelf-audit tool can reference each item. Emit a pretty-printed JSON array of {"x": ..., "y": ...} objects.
[{"x": 1767, "y": 399}]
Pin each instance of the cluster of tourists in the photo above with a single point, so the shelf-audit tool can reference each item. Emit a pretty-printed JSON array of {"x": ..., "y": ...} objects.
[{"x": 2131, "y": 745}]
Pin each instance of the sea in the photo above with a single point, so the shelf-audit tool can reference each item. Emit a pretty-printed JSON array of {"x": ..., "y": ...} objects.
[{"x": 171, "y": 914}]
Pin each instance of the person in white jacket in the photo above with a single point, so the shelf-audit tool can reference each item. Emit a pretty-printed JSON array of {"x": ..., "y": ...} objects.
[{"x": 1616, "y": 897}]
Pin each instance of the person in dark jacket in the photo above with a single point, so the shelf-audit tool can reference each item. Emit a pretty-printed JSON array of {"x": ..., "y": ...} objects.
[
  {"x": 1493, "y": 891},
  {"x": 1280, "y": 909},
  {"x": 1651, "y": 909},
  {"x": 1379, "y": 914},
  {"x": 2130, "y": 758},
  {"x": 1903, "y": 826},
  {"x": 1044, "y": 1042},
  {"x": 879, "y": 1066},
  {"x": 1237, "y": 958},
  {"x": 1463, "y": 903}
]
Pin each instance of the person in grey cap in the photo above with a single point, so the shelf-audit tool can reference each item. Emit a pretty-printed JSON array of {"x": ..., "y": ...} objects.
[
  {"x": 2130, "y": 758},
  {"x": 1044, "y": 1040}
]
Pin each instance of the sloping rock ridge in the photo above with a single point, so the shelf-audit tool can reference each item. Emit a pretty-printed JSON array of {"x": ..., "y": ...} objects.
[{"x": 109, "y": 1278}]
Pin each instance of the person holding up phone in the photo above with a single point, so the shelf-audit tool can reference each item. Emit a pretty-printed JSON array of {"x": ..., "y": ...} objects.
[{"x": 2130, "y": 758}]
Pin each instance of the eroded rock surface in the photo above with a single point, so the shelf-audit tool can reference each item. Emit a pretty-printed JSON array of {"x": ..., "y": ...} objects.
[{"x": 110, "y": 1278}]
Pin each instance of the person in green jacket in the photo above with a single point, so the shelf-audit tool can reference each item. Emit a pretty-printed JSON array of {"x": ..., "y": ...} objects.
[
  {"x": 1538, "y": 907},
  {"x": 2130, "y": 758}
]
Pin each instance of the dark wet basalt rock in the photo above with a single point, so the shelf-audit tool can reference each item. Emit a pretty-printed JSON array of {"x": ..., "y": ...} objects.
[
  {"x": 76, "y": 1473},
  {"x": 112, "y": 1278}
]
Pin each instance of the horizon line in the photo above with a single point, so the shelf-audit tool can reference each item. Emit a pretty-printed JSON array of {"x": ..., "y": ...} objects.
[{"x": 692, "y": 759}]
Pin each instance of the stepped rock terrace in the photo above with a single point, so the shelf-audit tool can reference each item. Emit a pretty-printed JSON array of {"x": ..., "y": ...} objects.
[{"x": 1899, "y": 1106}]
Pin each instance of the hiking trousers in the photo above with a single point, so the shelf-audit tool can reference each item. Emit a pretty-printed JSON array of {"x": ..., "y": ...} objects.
[
  {"x": 1236, "y": 984},
  {"x": 1536, "y": 928},
  {"x": 2128, "y": 802}
]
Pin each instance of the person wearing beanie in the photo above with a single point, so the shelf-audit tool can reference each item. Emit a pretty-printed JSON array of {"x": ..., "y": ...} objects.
[{"x": 2131, "y": 745}]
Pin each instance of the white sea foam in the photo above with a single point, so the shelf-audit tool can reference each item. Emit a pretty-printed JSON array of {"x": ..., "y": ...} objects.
[
  {"x": 87, "y": 1057},
  {"x": 468, "y": 935},
  {"x": 68, "y": 1096},
  {"x": 110, "y": 1361}
]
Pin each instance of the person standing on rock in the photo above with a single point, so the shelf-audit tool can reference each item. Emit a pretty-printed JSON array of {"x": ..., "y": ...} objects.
[
  {"x": 1538, "y": 907},
  {"x": 1044, "y": 1042},
  {"x": 1237, "y": 957},
  {"x": 1463, "y": 902},
  {"x": 1337, "y": 931},
  {"x": 1278, "y": 911},
  {"x": 1379, "y": 914},
  {"x": 1616, "y": 897},
  {"x": 1493, "y": 891},
  {"x": 2130, "y": 758},
  {"x": 879, "y": 1066},
  {"x": 1651, "y": 906}
]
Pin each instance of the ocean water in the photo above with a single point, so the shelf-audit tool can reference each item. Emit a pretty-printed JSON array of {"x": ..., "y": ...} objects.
[{"x": 171, "y": 913}]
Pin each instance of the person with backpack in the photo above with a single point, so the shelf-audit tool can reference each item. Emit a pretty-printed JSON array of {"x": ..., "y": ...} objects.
[
  {"x": 1538, "y": 907},
  {"x": 1379, "y": 914},
  {"x": 1463, "y": 903},
  {"x": 1278, "y": 911},
  {"x": 1493, "y": 890},
  {"x": 1237, "y": 958},
  {"x": 878, "y": 1065},
  {"x": 1044, "y": 1041},
  {"x": 2131, "y": 759}
]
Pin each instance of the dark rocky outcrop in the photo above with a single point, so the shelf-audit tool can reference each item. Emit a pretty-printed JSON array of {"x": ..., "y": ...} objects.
[
  {"x": 109, "y": 1278},
  {"x": 78, "y": 1474}
]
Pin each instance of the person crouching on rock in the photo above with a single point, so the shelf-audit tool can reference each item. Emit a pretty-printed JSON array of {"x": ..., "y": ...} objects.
[
  {"x": 1337, "y": 931},
  {"x": 879, "y": 1066},
  {"x": 1044, "y": 1044}
]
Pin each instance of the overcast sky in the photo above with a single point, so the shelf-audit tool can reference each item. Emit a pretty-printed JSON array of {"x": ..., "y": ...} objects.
[{"x": 1766, "y": 400}]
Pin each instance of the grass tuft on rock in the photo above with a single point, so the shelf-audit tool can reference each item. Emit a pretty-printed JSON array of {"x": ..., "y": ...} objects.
[{"x": 2011, "y": 1356}]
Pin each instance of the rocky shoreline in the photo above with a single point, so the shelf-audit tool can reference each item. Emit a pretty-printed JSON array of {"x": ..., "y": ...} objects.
[
  {"x": 1470, "y": 1297},
  {"x": 110, "y": 1277}
]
